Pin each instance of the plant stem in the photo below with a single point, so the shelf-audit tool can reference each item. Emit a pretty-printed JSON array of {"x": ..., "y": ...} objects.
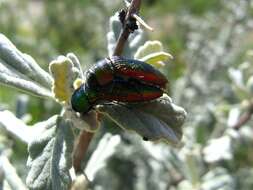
[
  {"x": 81, "y": 148},
  {"x": 85, "y": 137},
  {"x": 132, "y": 9},
  {"x": 244, "y": 117}
]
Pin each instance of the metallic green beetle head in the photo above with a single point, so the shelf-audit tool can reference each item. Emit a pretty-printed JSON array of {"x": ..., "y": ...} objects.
[{"x": 80, "y": 101}]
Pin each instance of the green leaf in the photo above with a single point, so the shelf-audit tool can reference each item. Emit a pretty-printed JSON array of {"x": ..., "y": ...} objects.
[
  {"x": 20, "y": 71},
  {"x": 238, "y": 84},
  {"x": 23, "y": 63},
  {"x": 152, "y": 52},
  {"x": 14, "y": 126},
  {"x": 106, "y": 148},
  {"x": 249, "y": 85},
  {"x": 10, "y": 175},
  {"x": 219, "y": 149},
  {"x": 76, "y": 64},
  {"x": 215, "y": 179},
  {"x": 18, "y": 129},
  {"x": 156, "y": 120},
  {"x": 218, "y": 178},
  {"x": 24, "y": 85},
  {"x": 133, "y": 42},
  {"x": 50, "y": 157}
]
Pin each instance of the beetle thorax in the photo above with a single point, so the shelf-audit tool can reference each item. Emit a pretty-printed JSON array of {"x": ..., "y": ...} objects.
[{"x": 100, "y": 74}]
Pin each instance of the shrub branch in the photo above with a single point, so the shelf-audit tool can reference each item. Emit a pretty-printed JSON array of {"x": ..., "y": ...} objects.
[
  {"x": 85, "y": 137},
  {"x": 133, "y": 9},
  {"x": 245, "y": 117}
]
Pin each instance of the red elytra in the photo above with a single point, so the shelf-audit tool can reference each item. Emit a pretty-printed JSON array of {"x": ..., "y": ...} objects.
[
  {"x": 105, "y": 71},
  {"x": 138, "y": 70}
]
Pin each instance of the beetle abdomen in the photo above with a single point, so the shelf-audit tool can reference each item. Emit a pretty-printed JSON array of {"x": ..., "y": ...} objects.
[{"x": 123, "y": 91}]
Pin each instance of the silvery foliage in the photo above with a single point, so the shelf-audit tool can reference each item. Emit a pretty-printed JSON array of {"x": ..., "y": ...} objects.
[
  {"x": 214, "y": 44},
  {"x": 51, "y": 142},
  {"x": 215, "y": 84}
]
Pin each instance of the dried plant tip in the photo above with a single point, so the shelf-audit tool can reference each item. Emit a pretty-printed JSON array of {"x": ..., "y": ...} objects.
[
  {"x": 131, "y": 24},
  {"x": 63, "y": 73},
  {"x": 142, "y": 22}
]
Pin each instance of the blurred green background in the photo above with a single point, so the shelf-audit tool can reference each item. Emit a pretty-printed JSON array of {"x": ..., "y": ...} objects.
[
  {"x": 210, "y": 76},
  {"x": 46, "y": 29}
]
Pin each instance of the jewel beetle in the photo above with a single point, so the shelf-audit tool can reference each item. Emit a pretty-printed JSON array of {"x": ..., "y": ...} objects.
[{"x": 118, "y": 79}]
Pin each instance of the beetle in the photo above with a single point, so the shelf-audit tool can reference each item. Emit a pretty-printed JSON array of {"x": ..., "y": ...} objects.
[{"x": 118, "y": 79}]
